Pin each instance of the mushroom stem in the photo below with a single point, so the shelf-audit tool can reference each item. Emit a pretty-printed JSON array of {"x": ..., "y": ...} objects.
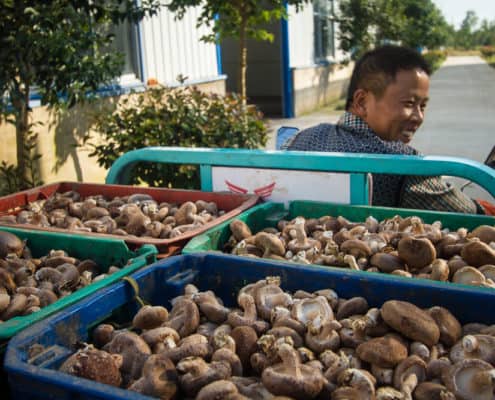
[
  {"x": 351, "y": 261},
  {"x": 409, "y": 385},
  {"x": 470, "y": 343},
  {"x": 290, "y": 358},
  {"x": 300, "y": 232}
]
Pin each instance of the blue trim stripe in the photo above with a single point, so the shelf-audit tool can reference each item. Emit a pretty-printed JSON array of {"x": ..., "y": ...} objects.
[
  {"x": 288, "y": 101},
  {"x": 140, "y": 53},
  {"x": 219, "y": 53}
]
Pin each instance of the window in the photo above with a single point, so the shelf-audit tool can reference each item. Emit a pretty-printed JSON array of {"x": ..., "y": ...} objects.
[
  {"x": 126, "y": 42},
  {"x": 324, "y": 34}
]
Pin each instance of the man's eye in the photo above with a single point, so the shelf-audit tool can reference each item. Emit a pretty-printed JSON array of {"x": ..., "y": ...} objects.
[{"x": 409, "y": 103}]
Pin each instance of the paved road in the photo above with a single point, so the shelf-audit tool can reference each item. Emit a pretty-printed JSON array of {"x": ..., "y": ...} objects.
[{"x": 460, "y": 117}]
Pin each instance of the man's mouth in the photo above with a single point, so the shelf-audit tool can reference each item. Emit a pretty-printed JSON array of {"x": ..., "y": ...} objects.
[{"x": 406, "y": 136}]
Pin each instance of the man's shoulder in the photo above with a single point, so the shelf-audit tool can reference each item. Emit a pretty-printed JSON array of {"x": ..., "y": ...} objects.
[{"x": 308, "y": 138}]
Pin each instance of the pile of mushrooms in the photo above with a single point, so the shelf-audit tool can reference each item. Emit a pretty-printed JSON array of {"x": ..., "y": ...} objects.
[
  {"x": 135, "y": 215},
  {"x": 401, "y": 246},
  {"x": 27, "y": 284},
  {"x": 280, "y": 345}
]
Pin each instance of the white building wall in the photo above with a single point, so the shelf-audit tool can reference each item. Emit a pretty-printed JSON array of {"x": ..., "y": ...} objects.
[
  {"x": 301, "y": 37},
  {"x": 173, "y": 47},
  {"x": 301, "y": 33}
]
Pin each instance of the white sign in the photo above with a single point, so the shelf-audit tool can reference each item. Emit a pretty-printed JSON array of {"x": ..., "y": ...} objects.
[{"x": 281, "y": 185}]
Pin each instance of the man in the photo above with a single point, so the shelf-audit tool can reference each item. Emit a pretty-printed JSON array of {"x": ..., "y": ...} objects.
[{"x": 386, "y": 101}]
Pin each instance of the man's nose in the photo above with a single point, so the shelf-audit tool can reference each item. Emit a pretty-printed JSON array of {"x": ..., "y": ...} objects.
[{"x": 418, "y": 113}]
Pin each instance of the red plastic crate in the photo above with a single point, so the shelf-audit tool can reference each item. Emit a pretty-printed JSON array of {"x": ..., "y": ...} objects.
[{"x": 232, "y": 203}]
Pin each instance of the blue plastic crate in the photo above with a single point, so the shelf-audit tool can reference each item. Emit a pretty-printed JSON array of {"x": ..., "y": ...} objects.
[{"x": 223, "y": 274}]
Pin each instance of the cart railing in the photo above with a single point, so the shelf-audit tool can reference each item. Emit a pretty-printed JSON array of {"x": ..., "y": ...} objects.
[{"x": 356, "y": 164}]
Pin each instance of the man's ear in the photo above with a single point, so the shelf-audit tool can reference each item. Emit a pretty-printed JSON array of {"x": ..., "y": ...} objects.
[{"x": 359, "y": 102}]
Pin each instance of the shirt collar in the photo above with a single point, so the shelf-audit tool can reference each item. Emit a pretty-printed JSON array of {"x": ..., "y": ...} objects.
[{"x": 356, "y": 124}]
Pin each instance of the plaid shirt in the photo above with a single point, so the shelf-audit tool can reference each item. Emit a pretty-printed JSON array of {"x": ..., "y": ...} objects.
[{"x": 353, "y": 135}]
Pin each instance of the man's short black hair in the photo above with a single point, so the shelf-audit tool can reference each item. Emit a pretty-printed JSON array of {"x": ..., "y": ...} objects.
[{"x": 377, "y": 68}]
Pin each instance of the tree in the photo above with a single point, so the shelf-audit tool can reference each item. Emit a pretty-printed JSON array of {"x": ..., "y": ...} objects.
[
  {"x": 356, "y": 17},
  {"x": 425, "y": 26},
  {"x": 415, "y": 23},
  {"x": 465, "y": 36},
  {"x": 238, "y": 19},
  {"x": 59, "y": 47}
]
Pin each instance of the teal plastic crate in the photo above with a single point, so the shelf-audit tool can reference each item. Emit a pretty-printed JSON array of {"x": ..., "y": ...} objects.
[
  {"x": 159, "y": 283},
  {"x": 105, "y": 252},
  {"x": 268, "y": 214}
]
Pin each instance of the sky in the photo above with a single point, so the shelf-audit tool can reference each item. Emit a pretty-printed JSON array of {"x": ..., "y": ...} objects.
[{"x": 455, "y": 10}]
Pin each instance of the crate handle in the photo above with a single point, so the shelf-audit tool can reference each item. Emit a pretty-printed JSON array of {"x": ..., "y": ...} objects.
[
  {"x": 182, "y": 278},
  {"x": 135, "y": 288},
  {"x": 49, "y": 355}
]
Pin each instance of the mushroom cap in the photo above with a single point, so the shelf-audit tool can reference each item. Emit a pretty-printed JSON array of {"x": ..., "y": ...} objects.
[
  {"x": 183, "y": 214},
  {"x": 149, "y": 317},
  {"x": 352, "y": 306},
  {"x": 410, "y": 365},
  {"x": 450, "y": 328},
  {"x": 356, "y": 248},
  {"x": 384, "y": 351},
  {"x": 240, "y": 230},
  {"x": 477, "y": 253},
  {"x": 268, "y": 297},
  {"x": 489, "y": 271},
  {"x": 103, "y": 334},
  {"x": 474, "y": 346},
  {"x": 211, "y": 307},
  {"x": 245, "y": 339},
  {"x": 159, "y": 378},
  {"x": 360, "y": 380},
  {"x": 386, "y": 262},
  {"x": 231, "y": 358},
  {"x": 221, "y": 389},
  {"x": 194, "y": 345},
  {"x": 416, "y": 252},
  {"x": 315, "y": 310},
  {"x": 470, "y": 379},
  {"x": 184, "y": 317},
  {"x": 485, "y": 233},
  {"x": 17, "y": 305},
  {"x": 440, "y": 270},
  {"x": 270, "y": 243},
  {"x": 10, "y": 243},
  {"x": 388, "y": 393},
  {"x": 159, "y": 335},
  {"x": 283, "y": 331},
  {"x": 196, "y": 373},
  {"x": 411, "y": 321},
  {"x": 432, "y": 391},
  {"x": 468, "y": 276},
  {"x": 94, "y": 364},
  {"x": 251, "y": 387},
  {"x": 134, "y": 351},
  {"x": 298, "y": 381}
]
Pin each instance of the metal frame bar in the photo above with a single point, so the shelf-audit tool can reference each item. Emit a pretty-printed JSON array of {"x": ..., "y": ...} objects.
[{"x": 306, "y": 161}]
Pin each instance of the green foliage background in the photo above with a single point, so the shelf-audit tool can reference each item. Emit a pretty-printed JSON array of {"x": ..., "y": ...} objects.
[{"x": 184, "y": 117}]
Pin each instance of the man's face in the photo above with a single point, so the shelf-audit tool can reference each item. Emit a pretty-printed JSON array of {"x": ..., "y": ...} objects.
[{"x": 399, "y": 112}]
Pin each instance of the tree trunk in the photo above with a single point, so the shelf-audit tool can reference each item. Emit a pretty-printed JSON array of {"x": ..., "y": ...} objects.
[
  {"x": 243, "y": 59},
  {"x": 20, "y": 101}
]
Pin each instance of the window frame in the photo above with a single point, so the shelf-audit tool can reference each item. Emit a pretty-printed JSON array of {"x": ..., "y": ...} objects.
[{"x": 323, "y": 19}]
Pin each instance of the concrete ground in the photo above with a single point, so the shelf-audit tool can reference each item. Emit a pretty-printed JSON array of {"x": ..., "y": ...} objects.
[{"x": 460, "y": 117}]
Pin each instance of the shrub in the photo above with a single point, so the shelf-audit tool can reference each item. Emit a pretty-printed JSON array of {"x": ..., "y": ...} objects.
[
  {"x": 184, "y": 117},
  {"x": 12, "y": 179},
  {"x": 435, "y": 58},
  {"x": 487, "y": 51}
]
